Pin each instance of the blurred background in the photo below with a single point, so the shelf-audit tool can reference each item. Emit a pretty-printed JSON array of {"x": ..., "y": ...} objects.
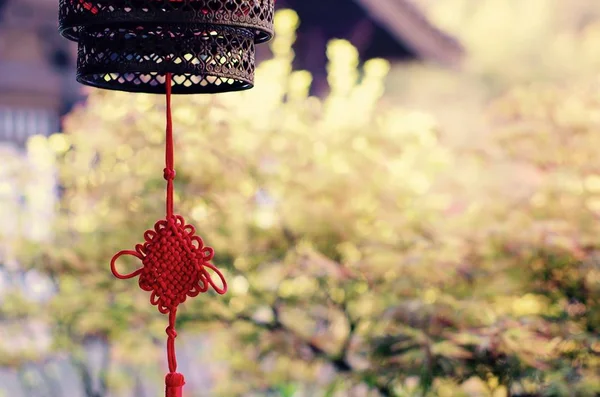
[{"x": 407, "y": 204}]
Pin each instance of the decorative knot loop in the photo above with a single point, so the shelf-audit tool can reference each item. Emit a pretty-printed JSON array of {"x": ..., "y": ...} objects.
[{"x": 169, "y": 174}]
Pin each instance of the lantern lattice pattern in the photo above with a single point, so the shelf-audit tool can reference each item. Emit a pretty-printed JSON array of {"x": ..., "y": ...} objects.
[{"x": 130, "y": 45}]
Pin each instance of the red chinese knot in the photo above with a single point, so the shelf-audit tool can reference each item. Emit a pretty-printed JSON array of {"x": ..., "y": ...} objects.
[{"x": 175, "y": 263}]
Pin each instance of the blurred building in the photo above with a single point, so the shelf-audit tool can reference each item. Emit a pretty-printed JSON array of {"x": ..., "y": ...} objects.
[
  {"x": 36, "y": 70},
  {"x": 35, "y": 89},
  {"x": 396, "y": 30}
]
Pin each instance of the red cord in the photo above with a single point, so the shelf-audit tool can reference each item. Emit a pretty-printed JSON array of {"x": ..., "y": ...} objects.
[
  {"x": 169, "y": 171},
  {"x": 176, "y": 263},
  {"x": 173, "y": 382}
]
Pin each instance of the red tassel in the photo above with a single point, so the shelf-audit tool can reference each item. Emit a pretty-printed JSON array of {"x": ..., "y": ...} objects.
[{"x": 174, "y": 385}]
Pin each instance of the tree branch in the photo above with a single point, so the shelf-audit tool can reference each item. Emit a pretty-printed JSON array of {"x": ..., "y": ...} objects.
[
  {"x": 85, "y": 376},
  {"x": 105, "y": 366},
  {"x": 339, "y": 362}
]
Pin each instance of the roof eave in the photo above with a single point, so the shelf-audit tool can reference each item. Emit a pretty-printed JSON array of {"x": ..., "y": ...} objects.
[{"x": 404, "y": 21}]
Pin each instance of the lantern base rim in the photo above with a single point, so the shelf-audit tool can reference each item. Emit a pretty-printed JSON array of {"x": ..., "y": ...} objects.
[{"x": 98, "y": 80}]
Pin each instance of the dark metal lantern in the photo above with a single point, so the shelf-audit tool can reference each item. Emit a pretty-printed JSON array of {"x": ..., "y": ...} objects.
[{"x": 130, "y": 45}]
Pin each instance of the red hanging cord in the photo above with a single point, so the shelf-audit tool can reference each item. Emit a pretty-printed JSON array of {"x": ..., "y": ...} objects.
[
  {"x": 174, "y": 381},
  {"x": 176, "y": 262},
  {"x": 169, "y": 172}
]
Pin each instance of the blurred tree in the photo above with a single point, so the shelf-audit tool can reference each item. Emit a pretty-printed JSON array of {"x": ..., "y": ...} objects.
[
  {"x": 552, "y": 130},
  {"x": 364, "y": 256},
  {"x": 506, "y": 45}
]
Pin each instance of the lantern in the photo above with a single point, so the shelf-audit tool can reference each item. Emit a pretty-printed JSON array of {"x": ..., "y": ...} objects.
[
  {"x": 130, "y": 45},
  {"x": 168, "y": 47}
]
